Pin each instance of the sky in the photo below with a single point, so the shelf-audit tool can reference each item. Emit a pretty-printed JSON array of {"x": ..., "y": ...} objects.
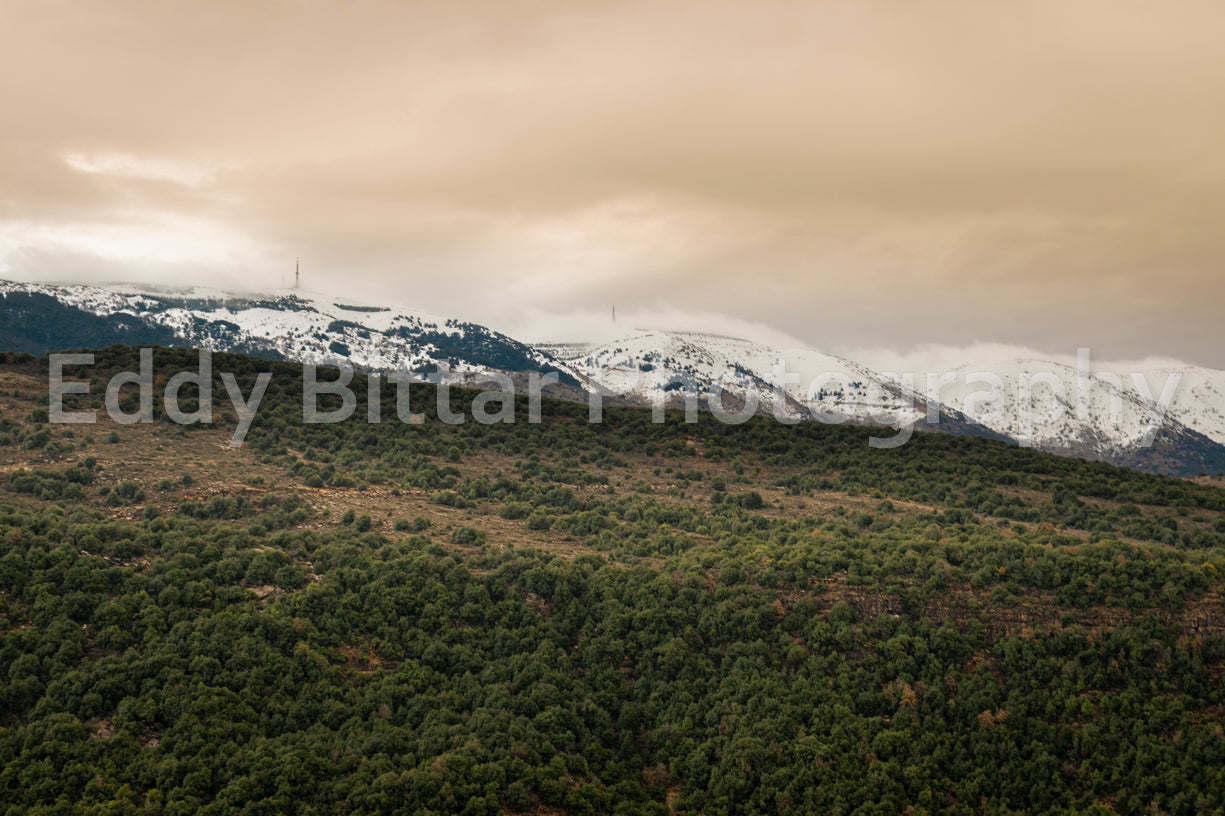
[{"x": 880, "y": 176}]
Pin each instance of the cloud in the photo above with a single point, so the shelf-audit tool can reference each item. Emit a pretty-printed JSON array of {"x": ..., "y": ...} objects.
[
  {"x": 126, "y": 165},
  {"x": 592, "y": 326},
  {"x": 936, "y": 358},
  {"x": 1044, "y": 174}
]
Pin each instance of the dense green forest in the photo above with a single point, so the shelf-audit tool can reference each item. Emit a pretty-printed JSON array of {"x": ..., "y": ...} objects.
[{"x": 567, "y": 617}]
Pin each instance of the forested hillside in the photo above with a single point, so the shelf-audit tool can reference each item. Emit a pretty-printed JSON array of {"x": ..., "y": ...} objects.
[{"x": 578, "y": 618}]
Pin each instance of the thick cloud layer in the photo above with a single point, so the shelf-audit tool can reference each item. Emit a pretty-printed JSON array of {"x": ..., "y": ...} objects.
[{"x": 873, "y": 174}]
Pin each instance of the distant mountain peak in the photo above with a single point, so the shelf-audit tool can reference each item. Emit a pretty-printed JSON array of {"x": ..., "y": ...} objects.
[
  {"x": 642, "y": 366},
  {"x": 289, "y": 324}
]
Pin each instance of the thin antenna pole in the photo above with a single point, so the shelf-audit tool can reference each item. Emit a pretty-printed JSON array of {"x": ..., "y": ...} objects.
[
  {"x": 614, "y": 308},
  {"x": 296, "y": 271}
]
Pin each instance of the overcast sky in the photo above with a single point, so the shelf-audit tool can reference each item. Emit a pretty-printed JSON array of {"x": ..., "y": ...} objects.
[{"x": 869, "y": 174}]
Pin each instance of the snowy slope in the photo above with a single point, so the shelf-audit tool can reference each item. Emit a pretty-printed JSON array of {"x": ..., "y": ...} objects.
[
  {"x": 1199, "y": 402},
  {"x": 1121, "y": 417},
  {"x": 304, "y": 326},
  {"x": 1031, "y": 401},
  {"x": 657, "y": 365},
  {"x": 1039, "y": 402}
]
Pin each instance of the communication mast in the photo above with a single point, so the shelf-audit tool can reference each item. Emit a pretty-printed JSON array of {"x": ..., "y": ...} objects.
[{"x": 296, "y": 271}]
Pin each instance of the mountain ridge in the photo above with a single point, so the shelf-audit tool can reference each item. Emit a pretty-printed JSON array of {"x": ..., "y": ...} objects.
[{"x": 645, "y": 367}]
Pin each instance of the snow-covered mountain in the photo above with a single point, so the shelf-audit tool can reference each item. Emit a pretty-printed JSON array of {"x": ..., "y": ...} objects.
[
  {"x": 654, "y": 367},
  {"x": 290, "y": 324},
  {"x": 1143, "y": 419},
  {"x": 1199, "y": 401},
  {"x": 1031, "y": 402},
  {"x": 1046, "y": 404}
]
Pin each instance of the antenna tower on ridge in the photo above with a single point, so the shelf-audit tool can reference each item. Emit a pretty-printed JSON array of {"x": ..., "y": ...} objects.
[{"x": 296, "y": 271}]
